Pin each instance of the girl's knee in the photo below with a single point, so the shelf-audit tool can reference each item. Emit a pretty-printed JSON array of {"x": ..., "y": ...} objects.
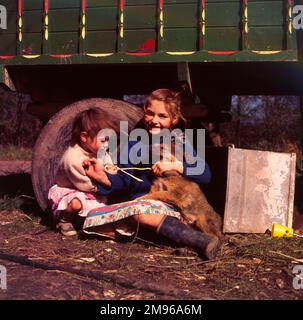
[{"x": 75, "y": 205}]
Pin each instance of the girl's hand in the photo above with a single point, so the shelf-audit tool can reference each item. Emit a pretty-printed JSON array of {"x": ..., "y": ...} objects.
[
  {"x": 96, "y": 173},
  {"x": 89, "y": 168},
  {"x": 160, "y": 167},
  {"x": 97, "y": 165},
  {"x": 94, "y": 163}
]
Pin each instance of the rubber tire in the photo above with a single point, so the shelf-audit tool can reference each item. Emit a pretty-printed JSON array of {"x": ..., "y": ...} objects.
[{"x": 55, "y": 137}]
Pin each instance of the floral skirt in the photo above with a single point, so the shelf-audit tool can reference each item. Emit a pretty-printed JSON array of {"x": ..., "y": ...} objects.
[{"x": 116, "y": 213}]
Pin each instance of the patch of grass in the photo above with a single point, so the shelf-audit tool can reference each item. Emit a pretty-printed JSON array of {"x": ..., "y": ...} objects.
[
  {"x": 8, "y": 203},
  {"x": 291, "y": 246},
  {"x": 11, "y": 152}
]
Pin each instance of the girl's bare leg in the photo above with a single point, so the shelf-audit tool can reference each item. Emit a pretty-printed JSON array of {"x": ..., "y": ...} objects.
[{"x": 152, "y": 221}]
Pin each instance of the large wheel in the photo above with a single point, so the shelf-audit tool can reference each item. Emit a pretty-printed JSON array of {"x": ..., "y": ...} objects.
[{"x": 55, "y": 137}]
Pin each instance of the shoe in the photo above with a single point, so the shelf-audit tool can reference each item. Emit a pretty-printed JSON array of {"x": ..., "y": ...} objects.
[
  {"x": 181, "y": 234},
  {"x": 66, "y": 228}
]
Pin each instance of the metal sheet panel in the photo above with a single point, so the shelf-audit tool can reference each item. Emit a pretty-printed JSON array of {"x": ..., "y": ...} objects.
[{"x": 260, "y": 190}]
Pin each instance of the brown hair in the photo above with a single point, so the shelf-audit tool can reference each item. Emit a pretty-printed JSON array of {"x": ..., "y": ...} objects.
[
  {"x": 172, "y": 102},
  {"x": 91, "y": 121}
]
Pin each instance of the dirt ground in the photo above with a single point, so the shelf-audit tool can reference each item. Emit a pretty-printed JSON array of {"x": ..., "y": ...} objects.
[{"x": 248, "y": 266}]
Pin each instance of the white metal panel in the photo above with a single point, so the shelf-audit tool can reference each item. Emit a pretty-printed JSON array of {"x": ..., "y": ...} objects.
[{"x": 260, "y": 190}]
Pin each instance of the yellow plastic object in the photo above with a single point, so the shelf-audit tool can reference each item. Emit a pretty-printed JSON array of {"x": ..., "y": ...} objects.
[{"x": 281, "y": 231}]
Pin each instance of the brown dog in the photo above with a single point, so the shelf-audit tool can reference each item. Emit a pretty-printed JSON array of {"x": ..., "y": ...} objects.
[{"x": 189, "y": 199}]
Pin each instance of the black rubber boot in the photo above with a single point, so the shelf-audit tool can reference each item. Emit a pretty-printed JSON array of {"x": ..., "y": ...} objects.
[{"x": 183, "y": 235}]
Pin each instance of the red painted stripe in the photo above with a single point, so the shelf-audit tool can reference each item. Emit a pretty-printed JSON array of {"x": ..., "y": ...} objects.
[
  {"x": 7, "y": 57},
  {"x": 61, "y": 55},
  {"x": 222, "y": 52},
  {"x": 20, "y": 8},
  {"x": 161, "y": 4},
  {"x": 139, "y": 53},
  {"x": 122, "y": 5},
  {"x": 203, "y": 3},
  {"x": 46, "y": 6},
  {"x": 83, "y": 6}
]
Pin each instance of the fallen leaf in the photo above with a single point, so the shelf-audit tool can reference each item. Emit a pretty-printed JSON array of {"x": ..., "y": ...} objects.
[
  {"x": 4, "y": 223},
  {"x": 109, "y": 294},
  {"x": 280, "y": 283},
  {"x": 110, "y": 271},
  {"x": 87, "y": 260}
]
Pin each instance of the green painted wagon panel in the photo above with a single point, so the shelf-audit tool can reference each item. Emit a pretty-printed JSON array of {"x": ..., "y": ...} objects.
[
  {"x": 101, "y": 41},
  {"x": 8, "y": 45},
  {"x": 103, "y": 3},
  {"x": 181, "y": 15},
  {"x": 266, "y": 38},
  {"x": 102, "y": 18},
  {"x": 64, "y": 20},
  {"x": 140, "y": 17},
  {"x": 59, "y": 4},
  {"x": 269, "y": 13},
  {"x": 223, "y": 14},
  {"x": 182, "y": 30},
  {"x": 32, "y": 21},
  {"x": 31, "y": 44},
  {"x": 180, "y": 40},
  {"x": 141, "y": 2},
  {"x": 223, "y": 39},
  {"x": 63, "y": 43},
  {"x": 33, "y": 5},
  {"x": 178, "y": 1}
]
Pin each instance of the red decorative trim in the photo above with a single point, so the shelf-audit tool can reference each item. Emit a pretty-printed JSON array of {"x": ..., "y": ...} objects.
[
  {"x": 20, "y": 8},
  {"x": 203, "y": 3},
  {"x": 46, "y": 6},
  {"x": 121, "y": 5},
  {"x": 7, "y": 57},
  {"x": 136, "y": 54},
  {"x": 83, "y": 6},
  {"x": 61, "y": 55},
  {"x": 222, "y": 52},
  {"x": 161, "y": 4}
]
